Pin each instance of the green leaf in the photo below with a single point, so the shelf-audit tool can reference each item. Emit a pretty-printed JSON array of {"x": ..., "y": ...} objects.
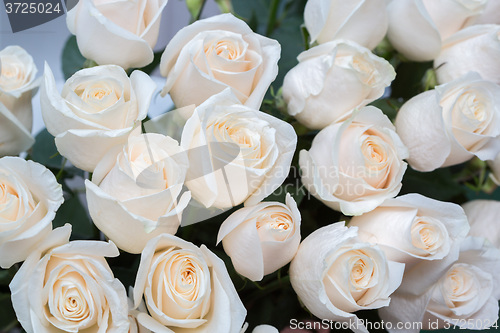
[
  {"x": 152, "y": 66},
  {"x": 6, "y": 275},
  {"x": 408, "y": 82},
  {"x": 8, "y": 317},
  {"x": 73, "y": 212},
  {"x": 44, "y": 151},
  {"x": 389, "y": 106},
  {"x": 225, "y": 6},
  {"x": 72, "y": 59},
  {"x": 195, "y": 7},
  {"x": 438, "y": 184}
]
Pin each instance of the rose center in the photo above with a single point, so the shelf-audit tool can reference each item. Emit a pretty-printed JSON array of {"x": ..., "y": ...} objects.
[
  {"x": 473, "y": 114},
  {"x": 11, "y": 75},
  {"x": 9, "y": 203},
  {"x": 224, "y": 49},
  {"x": 427, "y": 234},
  {"x": 459, "y": 285},
  {"x": 366, "y": 70},
  {"x": 276, "y": 226}
]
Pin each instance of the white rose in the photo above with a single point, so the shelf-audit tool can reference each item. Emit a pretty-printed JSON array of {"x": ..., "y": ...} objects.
[
  {"x": 236, "y": 154},
  {"x": 333, "y": 79},
  {"x": 335, "y": 274},
  {"x": 17, "y": 87},
  {"x": 355, "y": 165},
  {"x": 362, "y": 21},
  {"x": 29, "y": 199},
  {"x": 68, "y": 287},
  {"x": 133, "y": 195},
  {"x": 459, "y": 54},
  {"x": 122, "y": 33},
  {"x": 96, "y": 110},
  {"x": 418, "y": 27},
  {"x": 490, "y": 15},
  {"x": 483, "y": 219},
  {"x": 186, "y": 288},
  {"x": 261, "y": 239},
  {"x": 466, "y": 296},
  {"x": 451, "y": 124},
  {"x": 420, "y": 232},
  {"x": 210, "y": 55}
]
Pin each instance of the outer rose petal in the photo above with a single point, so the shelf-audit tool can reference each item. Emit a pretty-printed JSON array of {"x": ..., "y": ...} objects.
[
  {"x": 458, "y": 56},
  {"x": 412, "y": 31},
  {"x": 115, "y": 44},
  {"x": 180, "y": 72},
  {"x": 428, "y": 142},
  {"x": 128, "y": 230},
  {"x": 14, "y": 137},
  {"x": 17, "y": 245},
  {"x": 483, "y": 219}
]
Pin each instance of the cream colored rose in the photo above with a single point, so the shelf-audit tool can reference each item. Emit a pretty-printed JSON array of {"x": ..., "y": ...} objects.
[
  {"x": 68, "y": 287},
  {"x": 29, "y": 199},
  {"x": 465, "y": 296},
  {"x": 418, "y": 27},
  {"x": 186, "y": 288},
  {"x": 96, "y": 110},
  {"x": 417, "y": 231},
  {"x": 121, "y": 32},
  {"x": 490, "y": 15},
  {"x": 335, "y": 274},
  {"x": 135, "y": 192},
  {"x": 236, "y": 154},
  {"x": 451, "y": 124},
  {"x": 17, "y": 87},
  {"x": 459, "y": 54},
  {"x": 210, "y": 55},
  {"x": 483, "y": 219},
  {"x": 333, "y": 79},
  {"x": 362, "y": 21},
  {"x": 355, "y": 165},
  {"x": 261, "y": 239}
]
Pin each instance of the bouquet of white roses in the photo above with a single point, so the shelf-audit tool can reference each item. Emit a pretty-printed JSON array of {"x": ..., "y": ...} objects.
[{"x": 328, "y": 165}]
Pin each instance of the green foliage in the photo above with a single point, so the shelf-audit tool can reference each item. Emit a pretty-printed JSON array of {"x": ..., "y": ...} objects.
[{"x": 72, "y": 59}]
